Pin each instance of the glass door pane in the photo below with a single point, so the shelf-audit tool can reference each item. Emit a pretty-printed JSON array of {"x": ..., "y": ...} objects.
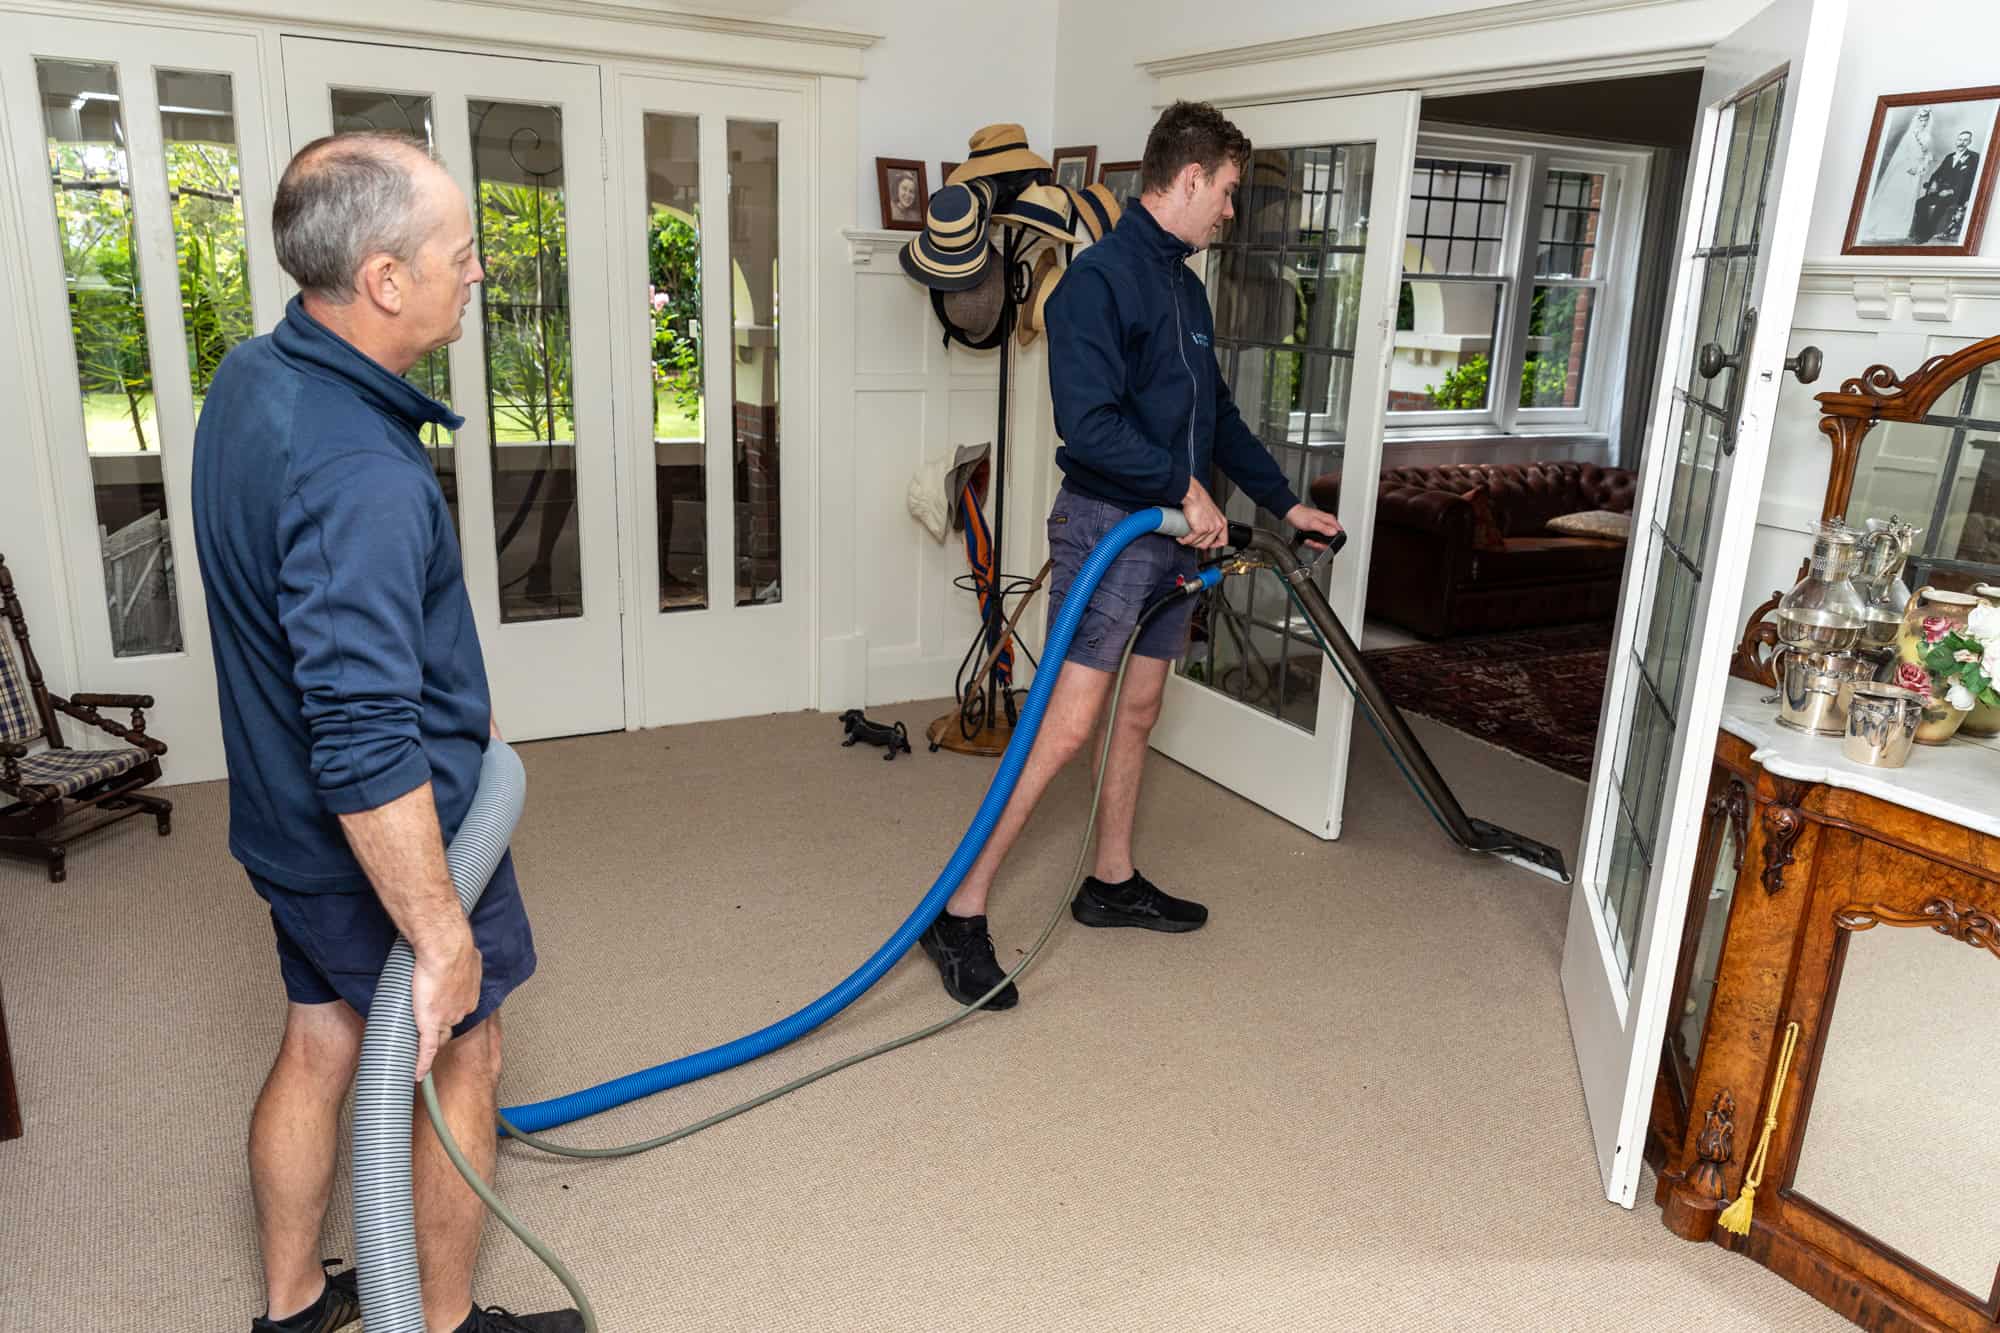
[
  {"x": 1677, "y": 547},
  {"x": 753, "y": 266},
  {"x": 83, "y": 119},
  {"x": 1285, "y": 281},
  {"x": 517, "y": 169},
  {"x": 673, "y": 299}
]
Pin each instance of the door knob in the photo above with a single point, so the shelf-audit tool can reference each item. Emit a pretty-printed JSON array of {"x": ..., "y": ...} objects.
[
  {"x": 1806, "y": 365},
  {"x": 1711, "y": 360}
]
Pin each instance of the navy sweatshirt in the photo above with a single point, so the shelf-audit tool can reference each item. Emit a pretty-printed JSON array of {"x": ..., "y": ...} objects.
[
  {"x": 346, "y": 659},
  {"x": 1140, "y": 403}
]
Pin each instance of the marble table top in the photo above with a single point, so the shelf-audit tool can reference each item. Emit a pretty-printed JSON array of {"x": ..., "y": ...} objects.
[{"x": 1958, "y": 782}]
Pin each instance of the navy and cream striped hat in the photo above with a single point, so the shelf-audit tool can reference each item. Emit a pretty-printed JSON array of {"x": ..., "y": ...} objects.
[{"x": 951, "y": 254}]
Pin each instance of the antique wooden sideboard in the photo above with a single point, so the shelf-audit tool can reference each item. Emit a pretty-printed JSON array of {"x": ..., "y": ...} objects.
[{"x": 1839, "y": 975}]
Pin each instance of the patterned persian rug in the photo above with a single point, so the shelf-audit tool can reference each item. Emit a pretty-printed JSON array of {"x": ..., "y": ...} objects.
[{"x": 1533, "y": 692}]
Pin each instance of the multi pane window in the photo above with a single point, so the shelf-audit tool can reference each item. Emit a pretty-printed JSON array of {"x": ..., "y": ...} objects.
[{"x": 1504, "y": 278}]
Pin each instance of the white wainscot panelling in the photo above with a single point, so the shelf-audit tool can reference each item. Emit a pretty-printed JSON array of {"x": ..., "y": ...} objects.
[
  {"x": 914, "y": 402},
  {"x": 894, "y": 330}
]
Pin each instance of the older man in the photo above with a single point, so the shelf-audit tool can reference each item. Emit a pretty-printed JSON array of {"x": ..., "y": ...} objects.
[{"x": 355, "y": 706}]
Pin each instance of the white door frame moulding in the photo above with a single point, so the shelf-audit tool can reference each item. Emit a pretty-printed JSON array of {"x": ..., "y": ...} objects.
[
  {"x": 1476, "y": 50},
  {"x": 602, "y": 29}
]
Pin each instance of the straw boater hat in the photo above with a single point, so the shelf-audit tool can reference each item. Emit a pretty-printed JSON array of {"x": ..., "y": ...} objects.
[
  {"x": 1044, "y": 281},
  {"x": 951, "y": 253},
  {"x": 1049, "y": 209},
  {"x": 995, "y": 151},
  {"x": 1097, "y": 208}
]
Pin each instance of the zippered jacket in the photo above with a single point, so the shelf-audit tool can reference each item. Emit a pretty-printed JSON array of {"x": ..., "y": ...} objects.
[{"x": 1139, "y": 400}]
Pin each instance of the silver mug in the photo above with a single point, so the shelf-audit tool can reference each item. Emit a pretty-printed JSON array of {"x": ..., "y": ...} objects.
[
  {"x": 1881, "y": 724},
  {"x": 1811, "y": 689}
]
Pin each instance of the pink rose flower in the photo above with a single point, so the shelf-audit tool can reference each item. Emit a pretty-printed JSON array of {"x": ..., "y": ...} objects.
[
  {"x": 1913, "y": 677},
  {"x": 1935, "y": 628}
]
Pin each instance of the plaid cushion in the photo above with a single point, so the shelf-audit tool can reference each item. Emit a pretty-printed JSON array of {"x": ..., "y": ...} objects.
[
  {"x": 17, "y": 706},
  {"x": 70, "y": 771}
]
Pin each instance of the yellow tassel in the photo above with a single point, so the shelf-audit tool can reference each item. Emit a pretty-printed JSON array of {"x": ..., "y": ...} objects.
[{"x": 1736, "y": 1217}]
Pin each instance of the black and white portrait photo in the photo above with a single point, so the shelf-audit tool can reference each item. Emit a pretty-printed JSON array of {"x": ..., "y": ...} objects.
[
  {"x": 905, "y": 193},
  {"x": 1926, "y": 174},
  {"x": 1074, "y": 166}
]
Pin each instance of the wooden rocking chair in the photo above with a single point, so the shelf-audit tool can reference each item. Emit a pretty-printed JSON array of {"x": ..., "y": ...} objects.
[{"x": 50, "y": 797}]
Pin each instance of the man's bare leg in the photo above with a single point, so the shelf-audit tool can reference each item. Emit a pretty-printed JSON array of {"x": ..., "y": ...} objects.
[
  {"x": 1071, "y": 718},
  {"x": 1118, "y": 805},
  {"x": 294, "y": 1142},
  {"x": 449, "y": 1214}
]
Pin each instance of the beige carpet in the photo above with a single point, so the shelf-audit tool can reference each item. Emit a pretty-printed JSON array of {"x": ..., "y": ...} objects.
[{"x": 1350, "y": 1103}]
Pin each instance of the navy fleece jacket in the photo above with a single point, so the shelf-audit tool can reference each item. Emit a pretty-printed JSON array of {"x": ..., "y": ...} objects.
[
  {"x": 346, "y": 660},
  {"x": 1140, "y": 403}
]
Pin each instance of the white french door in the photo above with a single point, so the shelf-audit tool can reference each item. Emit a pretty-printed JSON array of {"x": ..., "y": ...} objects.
[
  {"x": 1304, "y": 285},
  {"x": 134, "y": 152},
  {"x": 530, "y": 476},
  {"x": 1755, "y": 161},
  {"x": 710, "y": 232}
]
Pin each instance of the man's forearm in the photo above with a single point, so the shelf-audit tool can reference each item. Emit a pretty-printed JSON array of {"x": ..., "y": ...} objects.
[{"x": 401, "y": 848}]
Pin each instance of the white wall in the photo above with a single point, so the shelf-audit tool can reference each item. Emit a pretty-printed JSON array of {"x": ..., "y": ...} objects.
[
  {"x": 1863, "y": 311},
  {"x": 942, "y": 69}
]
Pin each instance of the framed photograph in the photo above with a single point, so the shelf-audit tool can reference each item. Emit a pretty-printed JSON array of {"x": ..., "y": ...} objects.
[
  {"x": 944, "y": 173},
  {"x": 906, "y": 190},
  {"x": 1121, "y": 177},
  {"x": 1075, "y": 166},
  {"x": 1926, "y": 175}
]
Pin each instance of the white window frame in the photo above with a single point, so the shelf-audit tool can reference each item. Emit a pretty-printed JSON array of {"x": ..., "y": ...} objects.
[{"x": 1621, "y": 216}]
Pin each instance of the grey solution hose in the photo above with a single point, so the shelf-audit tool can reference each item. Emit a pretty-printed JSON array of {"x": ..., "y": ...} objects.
[{"x": 385, "y": 1228}]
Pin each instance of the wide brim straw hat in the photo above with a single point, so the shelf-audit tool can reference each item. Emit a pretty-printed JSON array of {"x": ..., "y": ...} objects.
[
  {"x": 995, "y": 150},
  {"x": 1040, "y": 284},
  {"x": 1049, "y": 209},
  {"x": 951, "y": 253},
  {"x": 1097, "y": 208},
  {"x": 975, "y": 311}
]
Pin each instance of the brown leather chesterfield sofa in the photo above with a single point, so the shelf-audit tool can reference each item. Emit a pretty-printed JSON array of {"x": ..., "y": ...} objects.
[{"x": 1436, "y": 571}]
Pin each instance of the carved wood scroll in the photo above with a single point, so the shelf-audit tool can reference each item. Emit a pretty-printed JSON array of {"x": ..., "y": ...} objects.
[
  {"x": 1734, "y": 804},
  {"x": 1784, "y": 824},
  {"x": 1715, "y": 1146},
  {"x": 1966, "y": 924}
]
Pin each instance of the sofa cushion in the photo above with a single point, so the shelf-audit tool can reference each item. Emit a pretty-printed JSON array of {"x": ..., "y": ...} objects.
[
  {"x": 1548, "y": 560},
  {"x": 1603, "y": 524}
]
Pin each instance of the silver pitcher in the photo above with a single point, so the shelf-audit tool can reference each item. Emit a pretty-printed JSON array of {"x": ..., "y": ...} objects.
[
  {"x": 1809, "y": 689},
  {"x": 1881, "y": 724}
]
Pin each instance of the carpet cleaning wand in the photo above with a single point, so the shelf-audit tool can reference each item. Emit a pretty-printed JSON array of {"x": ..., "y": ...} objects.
[{"x": 1472, "y": 834}]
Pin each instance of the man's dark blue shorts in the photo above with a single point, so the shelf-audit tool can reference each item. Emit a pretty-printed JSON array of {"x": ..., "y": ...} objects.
[
  {"x": 1143, "y": 571},
  {"x": 331, "y": 946}
]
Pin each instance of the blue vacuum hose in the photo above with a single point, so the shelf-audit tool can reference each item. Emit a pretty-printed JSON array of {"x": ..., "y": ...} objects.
[{"x": 577, "y": 1105}]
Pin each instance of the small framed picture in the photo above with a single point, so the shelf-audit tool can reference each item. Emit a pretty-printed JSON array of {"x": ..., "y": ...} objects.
[
  {"x": 1926, "y": 175},
  {"x": 944, "y": 173},
  {"x": 905, "y": 191},
  {"x": 1074, "y": 167},
  {"x": 1121, "y": 177}
]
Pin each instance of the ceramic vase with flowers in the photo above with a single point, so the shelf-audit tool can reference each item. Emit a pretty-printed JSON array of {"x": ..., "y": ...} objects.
[{"x": 1957, "y": 671}]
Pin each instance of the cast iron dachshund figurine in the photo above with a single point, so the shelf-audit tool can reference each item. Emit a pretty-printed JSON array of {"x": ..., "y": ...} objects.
[{"x": 859, "y": 728}]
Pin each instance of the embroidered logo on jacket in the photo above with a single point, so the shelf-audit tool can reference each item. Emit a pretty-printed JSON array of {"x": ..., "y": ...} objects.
[{"x": 1200, "y": 339}]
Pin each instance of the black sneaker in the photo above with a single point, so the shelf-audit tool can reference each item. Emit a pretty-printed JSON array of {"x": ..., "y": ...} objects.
[
  {"x": 337, "y": 1307},
  {"x": 963, "y": 952},
  {"x": 493, "y": 1319},
  {"x": 1136, "y": 902}
]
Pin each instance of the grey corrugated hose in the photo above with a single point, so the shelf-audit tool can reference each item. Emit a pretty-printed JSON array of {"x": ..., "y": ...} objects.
[{"x": 385, "y": 1228}]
